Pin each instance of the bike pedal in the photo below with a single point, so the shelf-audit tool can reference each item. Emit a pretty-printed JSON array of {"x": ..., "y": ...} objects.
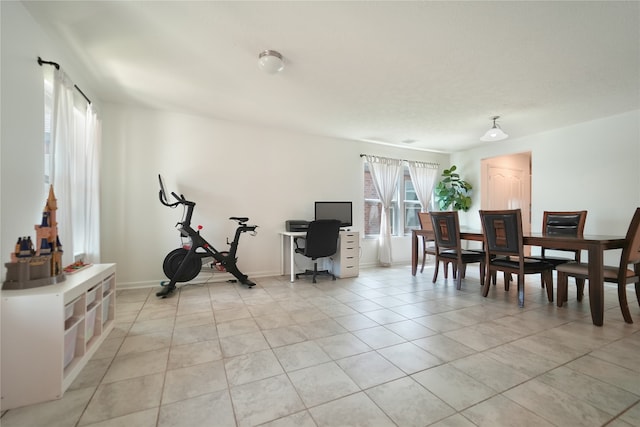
[{"x": 250, "y": 284}]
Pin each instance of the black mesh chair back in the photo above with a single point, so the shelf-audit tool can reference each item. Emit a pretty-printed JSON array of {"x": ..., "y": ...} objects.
[{"x": 322, "y": 238}]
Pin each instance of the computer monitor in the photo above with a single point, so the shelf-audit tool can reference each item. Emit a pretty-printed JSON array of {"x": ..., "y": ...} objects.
[{"x": 335, "y": 210}]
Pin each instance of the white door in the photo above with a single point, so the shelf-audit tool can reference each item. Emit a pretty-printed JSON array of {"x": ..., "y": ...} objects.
[{"x": 506, "y": 184}]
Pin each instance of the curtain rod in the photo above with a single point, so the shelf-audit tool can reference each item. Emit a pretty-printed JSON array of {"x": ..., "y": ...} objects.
[
  {"x": 55, "y": 64},
  {"x": 428, "y": 163}
]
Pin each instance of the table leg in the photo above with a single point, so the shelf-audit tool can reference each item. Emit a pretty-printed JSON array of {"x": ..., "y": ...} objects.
[
  {"x": 596, "y": 284},
  {"x": 291, "y": 253},
  {"x": 414, "y": 253}
]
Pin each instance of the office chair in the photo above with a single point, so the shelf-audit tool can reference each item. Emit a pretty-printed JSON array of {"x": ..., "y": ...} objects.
[{"x": 321, "y": 241}]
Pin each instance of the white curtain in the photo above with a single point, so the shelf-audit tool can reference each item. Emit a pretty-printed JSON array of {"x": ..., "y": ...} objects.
[
  {"x": 75, "y": 172},
  {"x": 62, "y": 134},
  {"x": 385, "y": 173},
  {"x": 423, "y": 176},
  {"x": 93, "y": 141}
]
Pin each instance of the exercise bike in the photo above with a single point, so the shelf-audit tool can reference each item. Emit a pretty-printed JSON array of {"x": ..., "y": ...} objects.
[{"x": 184, "y": 264}]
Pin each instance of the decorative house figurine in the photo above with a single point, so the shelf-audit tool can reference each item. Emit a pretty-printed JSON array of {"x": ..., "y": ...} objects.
[{"x": 29, "y": 267}]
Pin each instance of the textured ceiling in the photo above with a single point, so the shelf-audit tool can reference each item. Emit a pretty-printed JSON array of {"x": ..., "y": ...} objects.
[{"x": 425, "y": 75}]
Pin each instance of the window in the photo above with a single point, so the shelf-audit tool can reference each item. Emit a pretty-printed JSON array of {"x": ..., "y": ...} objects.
[
  {"x": 408, "y": 205},
  {"x": 411, "y": 204}
]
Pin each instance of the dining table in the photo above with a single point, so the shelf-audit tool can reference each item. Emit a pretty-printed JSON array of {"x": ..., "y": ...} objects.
[{"x": 595, "y": 245}]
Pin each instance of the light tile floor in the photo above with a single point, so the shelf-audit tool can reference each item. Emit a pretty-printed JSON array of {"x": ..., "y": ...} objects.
[{"x": 382, "y": 349}]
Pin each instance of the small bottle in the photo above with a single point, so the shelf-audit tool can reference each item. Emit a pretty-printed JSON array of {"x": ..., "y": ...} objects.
[{"x": 186, "y": 242}]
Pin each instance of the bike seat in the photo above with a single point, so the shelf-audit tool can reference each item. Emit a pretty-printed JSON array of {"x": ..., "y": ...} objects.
[{"x": 239, "y": 218}]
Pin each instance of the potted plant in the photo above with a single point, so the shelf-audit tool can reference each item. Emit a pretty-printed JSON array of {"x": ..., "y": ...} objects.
[{"x": 452, "y": 191}]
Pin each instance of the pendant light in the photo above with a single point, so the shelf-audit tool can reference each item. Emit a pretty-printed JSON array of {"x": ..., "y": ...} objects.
[{"x": 495, "y": 133}]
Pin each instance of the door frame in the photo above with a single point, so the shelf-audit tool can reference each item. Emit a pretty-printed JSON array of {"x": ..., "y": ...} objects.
[{"x": 520, "y": 161}]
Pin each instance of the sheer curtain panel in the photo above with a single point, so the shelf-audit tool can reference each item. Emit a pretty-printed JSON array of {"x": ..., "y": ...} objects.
[
  {"x": 93, "y": 144},
  {"x": 62, "y": 134},
  {"x": 75, "y": 171},
  {"x": 385, "y": 173},
  {"x": 423, "y": 176}
]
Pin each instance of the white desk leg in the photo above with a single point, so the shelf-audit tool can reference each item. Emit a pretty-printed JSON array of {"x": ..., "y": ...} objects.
[
  {"x": 282, "y": 238},
  {"x": 291, "y": 252}
]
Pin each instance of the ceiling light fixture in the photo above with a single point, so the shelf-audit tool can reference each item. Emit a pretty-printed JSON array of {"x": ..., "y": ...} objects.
[
  {"x": 270, "y": 61},
  {"x": 495, "y": 133}
]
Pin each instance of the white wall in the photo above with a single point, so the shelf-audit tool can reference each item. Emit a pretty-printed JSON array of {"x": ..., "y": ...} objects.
[
  {"x": 22, "y": 187},
  {"x": 228, "y": 169},
  {"x": 592, "y": 166}
]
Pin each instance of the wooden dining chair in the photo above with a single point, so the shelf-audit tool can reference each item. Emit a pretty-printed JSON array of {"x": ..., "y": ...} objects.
[
  {"x": 562, "y": 223},
  {"x": 446, "y": 227},
  {"x": 628, "y": 271},
  {"x": 504, "y": 251},
  {"x": 427, "y": 249}
]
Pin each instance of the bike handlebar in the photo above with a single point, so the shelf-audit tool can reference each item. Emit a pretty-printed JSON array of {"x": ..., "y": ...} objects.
[{"x": 181, "y": 200}]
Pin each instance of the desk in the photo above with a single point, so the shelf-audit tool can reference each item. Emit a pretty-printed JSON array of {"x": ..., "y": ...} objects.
[
  {"x": 593, "y": 244},
  {"x": 290, "y": 235}
]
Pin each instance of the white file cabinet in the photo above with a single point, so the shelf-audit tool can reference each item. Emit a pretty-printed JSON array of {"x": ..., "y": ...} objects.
[
  {"x": 49, "y": 333},
  {"x": 346, "y": 262}
]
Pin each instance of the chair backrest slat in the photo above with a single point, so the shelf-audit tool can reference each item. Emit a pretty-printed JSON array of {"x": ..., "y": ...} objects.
[
  {"x": 322, "y": 238},
  {"x": 631, "y": 252},
  {"x": 425, "y": 220}
]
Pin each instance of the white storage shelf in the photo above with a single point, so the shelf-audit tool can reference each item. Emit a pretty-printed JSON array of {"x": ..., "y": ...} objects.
[{"x": 49, "y": 334}]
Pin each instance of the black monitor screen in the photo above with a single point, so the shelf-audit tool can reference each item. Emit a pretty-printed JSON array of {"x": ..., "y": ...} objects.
[{"x": 335, "y": 210}]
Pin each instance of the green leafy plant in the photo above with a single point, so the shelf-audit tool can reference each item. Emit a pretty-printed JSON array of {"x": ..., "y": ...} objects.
[{"x": 452, "y": 191}]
